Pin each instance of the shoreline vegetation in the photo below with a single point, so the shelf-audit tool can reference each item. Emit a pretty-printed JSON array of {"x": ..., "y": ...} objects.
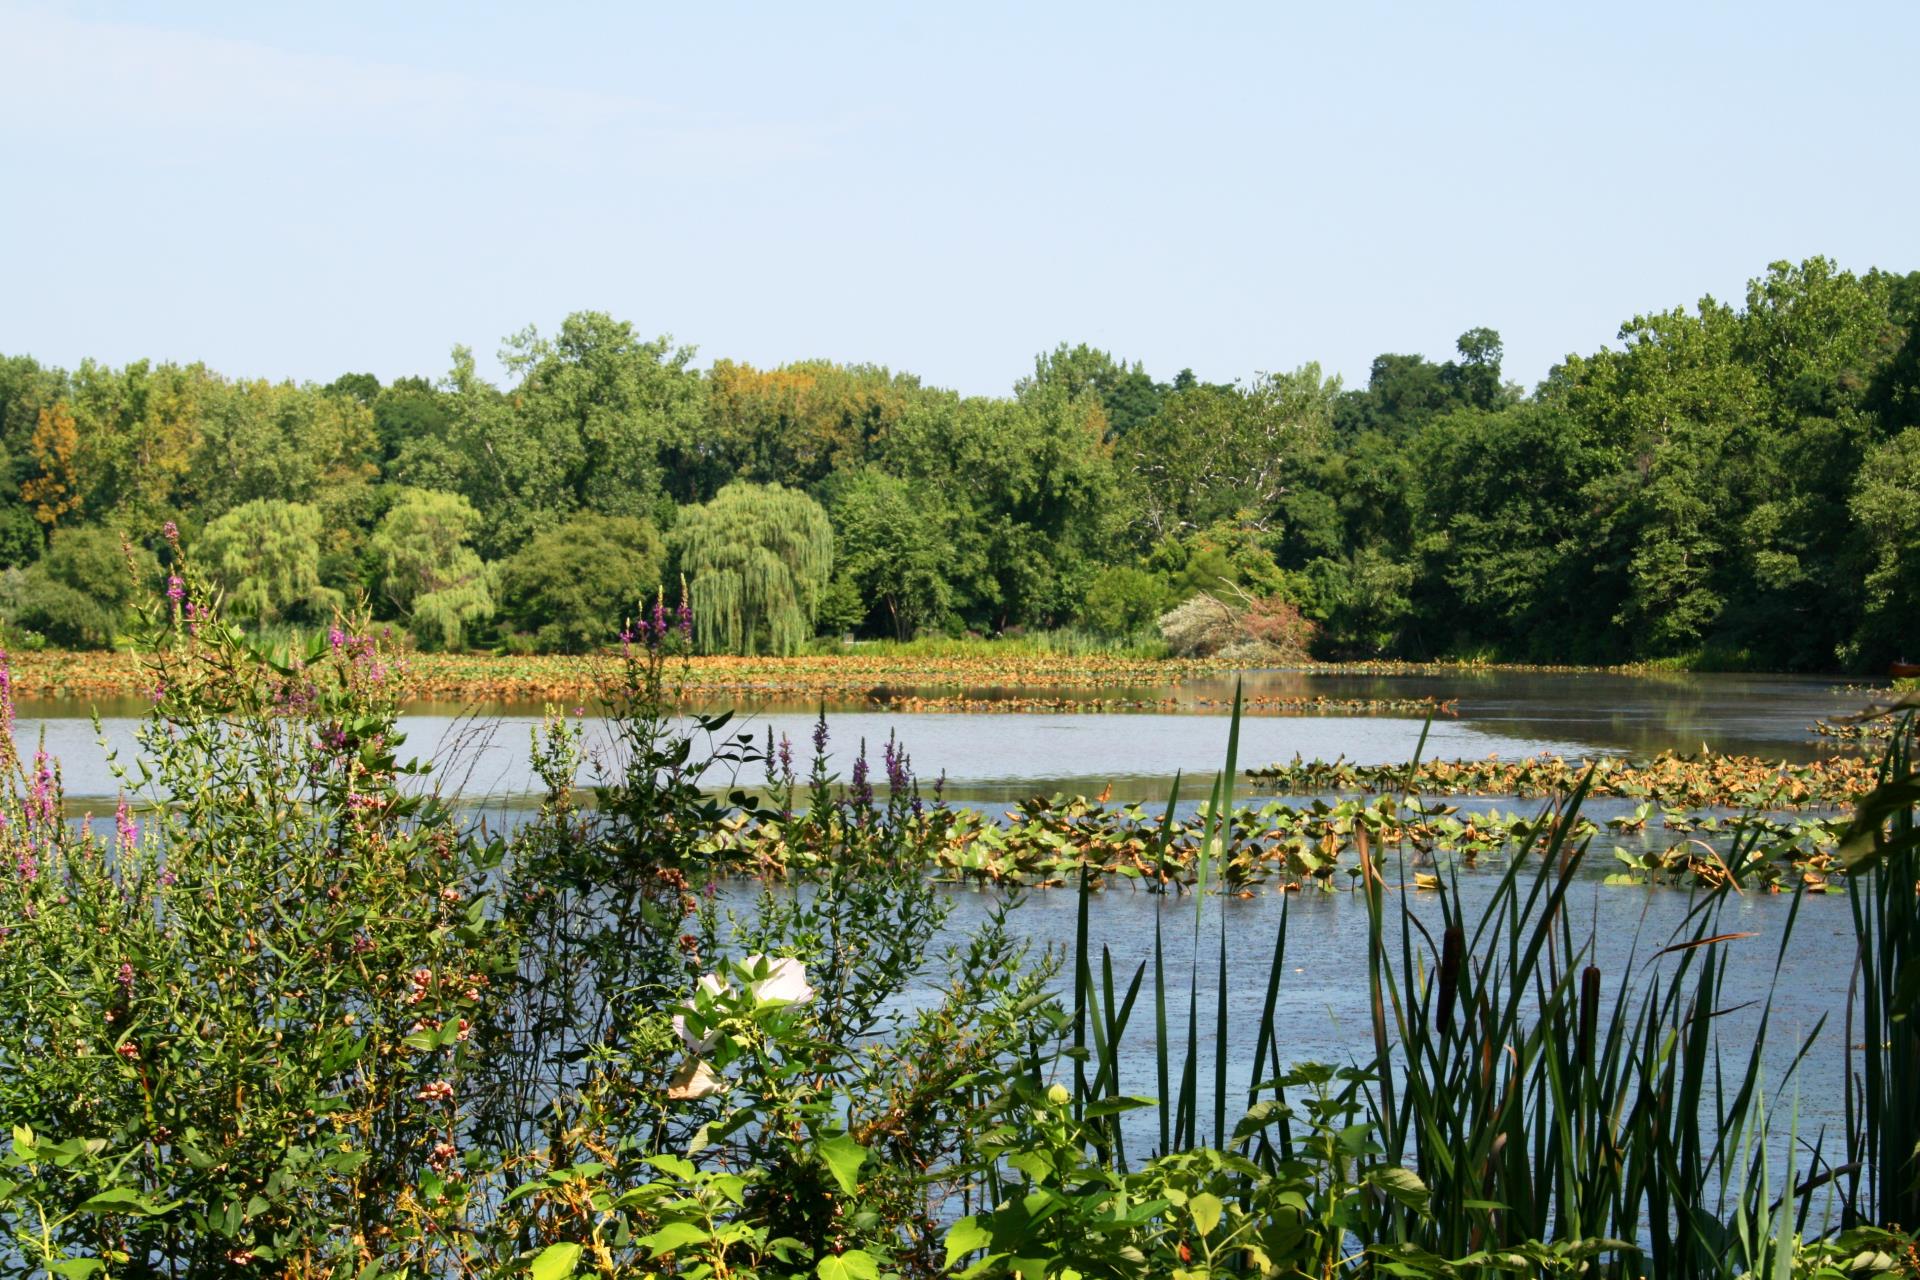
[
  {"x": 907, "y": 681},
  {"x": 293, "y": 1017}
]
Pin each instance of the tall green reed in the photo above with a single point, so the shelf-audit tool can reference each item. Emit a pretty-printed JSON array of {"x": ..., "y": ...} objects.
[
  {"x": 1540, "y": 1102},
  {"x": 1882, "y": 851}
]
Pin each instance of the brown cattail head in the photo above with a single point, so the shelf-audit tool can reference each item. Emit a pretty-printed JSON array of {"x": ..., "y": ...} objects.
[
  {"x": 1453, "y": 949},
  {"x": 1589, "y": 1012}
]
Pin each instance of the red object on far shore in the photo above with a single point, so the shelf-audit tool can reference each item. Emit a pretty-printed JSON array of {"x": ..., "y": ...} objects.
[{"x": 1900, "y": 669}]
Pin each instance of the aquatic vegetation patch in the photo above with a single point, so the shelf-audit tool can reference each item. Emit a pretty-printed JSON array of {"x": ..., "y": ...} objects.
[
  {"x": 560, "y": 678},
  {"x": 1050, "y": 842},
  {"x": 1700, "y": 781}
]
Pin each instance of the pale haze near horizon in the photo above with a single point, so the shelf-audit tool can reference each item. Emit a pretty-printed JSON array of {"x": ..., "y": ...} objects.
[{"x": 299, "y": 193}]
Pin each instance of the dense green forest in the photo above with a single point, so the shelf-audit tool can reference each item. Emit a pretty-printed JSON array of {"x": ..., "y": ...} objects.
[{"x": 1727, "y": 485}]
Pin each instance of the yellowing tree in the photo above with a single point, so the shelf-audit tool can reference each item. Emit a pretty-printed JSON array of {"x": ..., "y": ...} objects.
[{"x": 55, "y": 491}]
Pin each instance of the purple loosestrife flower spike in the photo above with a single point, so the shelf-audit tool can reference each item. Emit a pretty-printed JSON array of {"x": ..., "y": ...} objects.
[
  {"x": 861, "y": 790},
  {"x": 660, "y": 616},
  {"x": 820, "y": 734},
  {"x": 176, "y": 589}
]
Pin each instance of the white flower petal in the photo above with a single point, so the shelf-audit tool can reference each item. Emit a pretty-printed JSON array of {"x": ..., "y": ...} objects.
[
  {"x": 697, "y": 1047},
  {"x": 785, "y": 983}
]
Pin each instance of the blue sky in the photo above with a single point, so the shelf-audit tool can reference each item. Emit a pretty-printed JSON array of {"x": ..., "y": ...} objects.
[{"x": 296, "y": 191}]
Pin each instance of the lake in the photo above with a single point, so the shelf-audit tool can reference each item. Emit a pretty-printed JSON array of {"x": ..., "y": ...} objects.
[{"x": 1008, "y": 755}]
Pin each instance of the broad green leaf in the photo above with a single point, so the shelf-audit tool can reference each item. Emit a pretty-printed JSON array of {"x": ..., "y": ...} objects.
[
  {"x": 965, "y": 1236},
  {"x": 854, "y": 1264},
  {"x": 1206, "y": 1210},
  {"x": 1403, "y": 1185},
  {"x": 844, "y": 1157},
  {"x": 120, "y": 1200},
  {"x": 672, "y": 1235},
  {"x": 556, "y": 1262}
]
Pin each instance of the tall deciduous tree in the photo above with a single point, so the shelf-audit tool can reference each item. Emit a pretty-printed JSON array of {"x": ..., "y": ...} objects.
[
  {"x": 585, "y": 428},
  {"x": 1216, "y": 453},
  {"x": 756, "y": 559},
  {"x": 891, "y": 545},
  {"x": 1886, "y": 512},
  {"x": 53, "y": 491},
  {"x": 571, "y": 587}
]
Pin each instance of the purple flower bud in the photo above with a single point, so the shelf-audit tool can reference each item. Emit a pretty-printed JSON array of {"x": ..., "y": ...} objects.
[
  {"x": 170, "y": 531},
  {"x": 176, "y": 590},
  {"x": 820, "y": 735}
]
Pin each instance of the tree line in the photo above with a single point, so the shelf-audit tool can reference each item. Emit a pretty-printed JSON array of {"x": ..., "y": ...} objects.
[{"x": 1733, "y": 485}]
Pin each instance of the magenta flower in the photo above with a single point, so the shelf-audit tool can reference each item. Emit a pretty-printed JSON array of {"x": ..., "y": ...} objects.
[{"x": 176, "y": 589}]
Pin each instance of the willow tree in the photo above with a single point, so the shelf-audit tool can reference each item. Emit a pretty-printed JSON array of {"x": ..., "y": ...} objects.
[
  {"x": 756, "y": 558},
  {"x": 265, "y": 555},
  {"x": 429, "y": 570}
]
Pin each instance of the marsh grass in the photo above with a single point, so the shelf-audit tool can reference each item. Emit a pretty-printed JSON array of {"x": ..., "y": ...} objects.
[{"x": 1539, "y": 1100}]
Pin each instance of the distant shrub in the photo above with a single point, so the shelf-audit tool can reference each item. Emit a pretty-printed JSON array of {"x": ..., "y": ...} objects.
[
  {"x": 841, "y": 608},
  {"x": 1199, "y": 627},
  {"x": 20, "y": 537},
  {"x": 1123, "y": 601},
  {"x": 1265, "y": 629},
  {"x": 1277, "y": 624},
  {"x": 571, "y": 587},
  {"x": 78, "y": 594}
]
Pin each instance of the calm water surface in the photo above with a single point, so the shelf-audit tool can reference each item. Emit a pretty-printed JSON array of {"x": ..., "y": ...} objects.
[{"x": 484, "y": 750}]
